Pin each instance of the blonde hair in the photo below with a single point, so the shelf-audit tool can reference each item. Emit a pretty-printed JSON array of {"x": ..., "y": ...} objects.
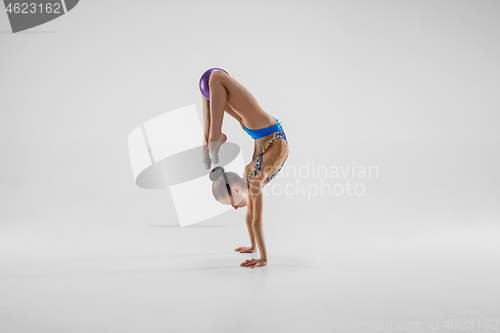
[{"x": 219, "y": 188}]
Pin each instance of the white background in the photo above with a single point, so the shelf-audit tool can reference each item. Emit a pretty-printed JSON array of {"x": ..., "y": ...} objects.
[{"x": 408, "y": 86}]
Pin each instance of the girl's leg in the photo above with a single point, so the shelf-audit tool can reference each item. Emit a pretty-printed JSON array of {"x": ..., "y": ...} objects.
[
  {"x": 206, "y": 119},
  {"x": 218, "y": 101},
  {"x": 227, "y": 90},
  {"x": 206, "y": 129},
  {"x": 230, "y": 111}
]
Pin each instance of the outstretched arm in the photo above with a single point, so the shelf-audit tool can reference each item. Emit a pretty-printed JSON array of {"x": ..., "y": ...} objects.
[
  {"x": 249, "y": 221},
  {"x": 257, "y": 223},
  {"x": 255, "y": 193}
]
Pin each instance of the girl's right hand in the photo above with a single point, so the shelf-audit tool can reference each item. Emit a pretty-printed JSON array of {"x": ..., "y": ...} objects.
[{"x": 245, "y": 249}]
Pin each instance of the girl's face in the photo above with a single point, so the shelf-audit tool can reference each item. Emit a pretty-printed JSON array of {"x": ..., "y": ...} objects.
[{"x": 240, "y": 197}]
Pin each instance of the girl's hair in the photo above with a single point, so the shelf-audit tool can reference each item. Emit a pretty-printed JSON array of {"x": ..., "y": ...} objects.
[{"x": 219, "y": 188}]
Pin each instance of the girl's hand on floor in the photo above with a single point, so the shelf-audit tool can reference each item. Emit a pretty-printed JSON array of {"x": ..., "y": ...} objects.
[
  {"x": 245, "y": 249},
  {"x": 252, "y": 263}
]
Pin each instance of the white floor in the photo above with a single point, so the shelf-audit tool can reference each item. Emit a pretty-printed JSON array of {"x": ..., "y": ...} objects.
[
  {"x": 362, "y": 287},
  {"x": 408, "y": 87}
]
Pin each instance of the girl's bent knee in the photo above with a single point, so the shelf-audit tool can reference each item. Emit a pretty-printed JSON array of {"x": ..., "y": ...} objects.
[{"x": 215, "y": 77}]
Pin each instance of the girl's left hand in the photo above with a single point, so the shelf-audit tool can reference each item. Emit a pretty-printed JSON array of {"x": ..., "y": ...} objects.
[{"x": 252, "y": 263}]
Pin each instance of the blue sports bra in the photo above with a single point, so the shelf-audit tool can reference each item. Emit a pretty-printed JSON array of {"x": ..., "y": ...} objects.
[{"x": 260, "y": 133}]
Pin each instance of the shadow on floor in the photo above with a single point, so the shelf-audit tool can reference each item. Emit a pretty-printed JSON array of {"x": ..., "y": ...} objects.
[
  {"x": 27, "y": 32},
  {"x": 189, "y": 226}
]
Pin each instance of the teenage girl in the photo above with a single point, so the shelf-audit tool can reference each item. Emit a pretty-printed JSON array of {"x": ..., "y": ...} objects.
[{"x": 221, "y": 92}]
